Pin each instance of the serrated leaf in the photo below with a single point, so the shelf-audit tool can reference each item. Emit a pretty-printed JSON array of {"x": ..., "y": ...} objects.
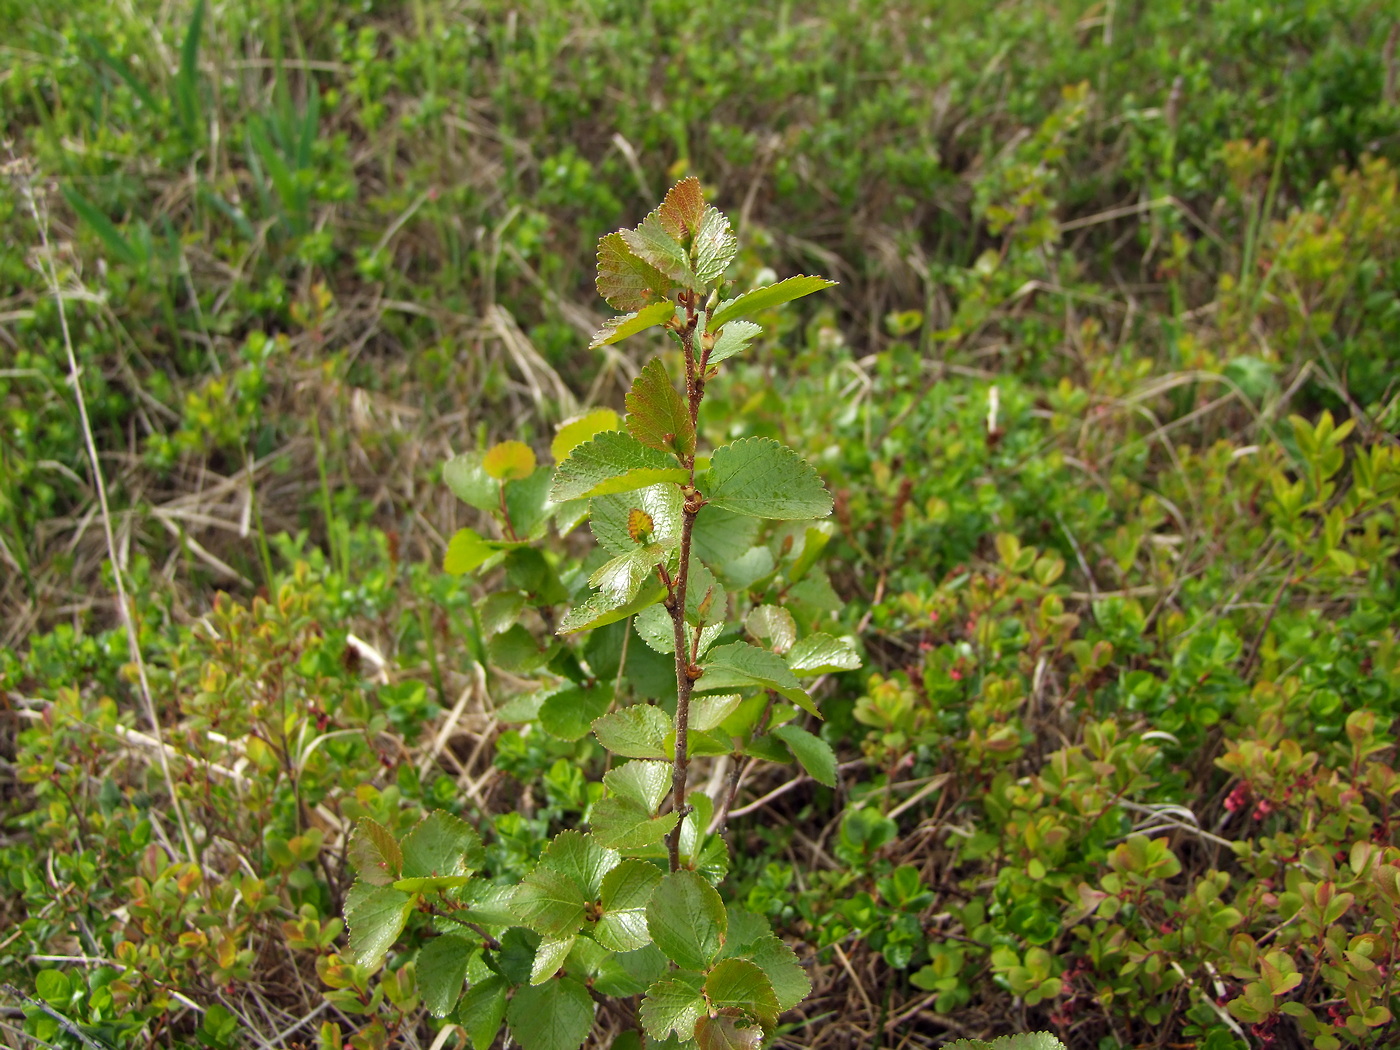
[
  {"x": 582, "y": 859},
  {"x": 549, "y": 956},
  {"x": 624, "y": 974},
  {"x": 657, "y": 414},
  {"x": 375, "y": 916},
  {"x": 466, "y": 551},
  {"x": 713, "y": 248},
  {"x": 687, "y": 920},
  {"x": 645, "y": 783},
  {"x": 599, "y": 609},
  {"x": 374, "y": 853},
  {"x": 707, "y": 712},
  {"x": 528, "y": 503},
  {"x": 574, "y": 432},
  {"x": 719, "y": 536},
  {"x": 550, "y": 903},
  {"x": 674, "y": 1004},
  {"x": 727, "y": 1033},
  {"x": 655, "y": 627},
  {"x": 621, "y": 578},
  {"x": 638, "y": 731},
  {"x": 626, "y": 891},
  {"x": 613, "y": 462},
  {"x": 1021, "y": 1041},
  {"x": 773, "y": 623},
  {"x": 556, "y": 1015},
  {"x": 616, "y": 329},
  {"x": 740, "y": 664},
  {"x": 569, "y": 714},
  {"x": 733, "y": 339},
  {"x": 625, "y": 825},
  {"x": 761, "y": 299},
  {"x": 683, "y": 209},
  {"x": 626, "y": 281},
  {"x": 789, "y": 980},
  {"x": 442, "y": 973},
  {"x": 470, "y": 483},
  {"x": 509, "y": 461},
  {"x": 441, "y": 844},
  {"x": 488, "y": 903},
  {"x": 822, "y": 654},
  {"x": 761, "y": 478},
  {"x": 482, "y": 1010},
  {"x": 749, "y": 569},
  {"x": 812, "y": 752},
  {"x": 741, "y": 985},
  {"x": 651, "y": 243},
  {"x": 609, "y": 517}
]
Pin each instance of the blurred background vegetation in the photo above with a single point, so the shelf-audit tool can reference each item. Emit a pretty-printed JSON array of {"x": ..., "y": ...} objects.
[{"x": 1107, "y": 395}]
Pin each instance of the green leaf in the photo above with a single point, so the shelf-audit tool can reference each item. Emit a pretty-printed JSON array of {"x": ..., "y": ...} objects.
[
  {"x": 576, "y": 431},
  {"x": 774, "y": 624},
  {"x": 742, "y": 985},
  {"x": 582, "y": 859},
  {"x": 761, "y": 478},
  {"x": 706, "y": 604},
  {"x": 657, "y": 414},
  {"x": 627, "y": 889},
  {"x": 549, "y": 956},
  {"x": 599, "y": 609},
  {"x": 655, "y": 627},
  {"x": 789, "y": 980},
  {"x": 686, "y": 919},
  {"x": 54, "y": 988},
  {"x": 814, "y": 753},
  {"x": 431, "y": 883},
  {"x": 638, "y": 731},
  {"x": 441, "y": 844},
  {"x": 466, "y": 551},
  {"x": 625, "y": 825},
  {"x": 674, "y": 1004},
  {"x": 442, "y": 972},
  {"x": 719, "y": 536},
  {"x": 761, "y": 299},
  {"x": 570, "y": 713},
  {"x": 613, "y": 462},
  {"x": 707, "y": 712},
  {"x": 549, "y": 903},
  {"x": 482, "y": 1010},
  {"x": 714, "y": 247},
  {"x": 822, "y": 654},
  {"x": 611, "y": 517},
  {"x": 626, "y": 974},
  {"x": 625, "y": 281},
  {"x": 375, "y": 916},
  {"x": 528, "y": 503},
  {"x": 727, "y": 1033},
  {"x": 645, "y": 783},
  {"x": 471, "y": 484},
  {"x": 374, "y": 854},
  {"x": 621, "y": 578},
  {"x": 556, "y": 1015},
  {"x": 516, "y": 650},
  {"x": 616, "y": 329},
  {"x": 651, "y": 243},
  {"x": 741, "y": 664},
  {"x": 733, "y": 339},
  {"x": 1023, "y": 1041}
]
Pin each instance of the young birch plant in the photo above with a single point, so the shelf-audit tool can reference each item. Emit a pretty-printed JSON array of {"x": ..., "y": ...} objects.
[{"x": 630, "y": 907}]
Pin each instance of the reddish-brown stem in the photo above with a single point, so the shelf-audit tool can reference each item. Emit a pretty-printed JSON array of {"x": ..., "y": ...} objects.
[{"x": 694, "y": 385}]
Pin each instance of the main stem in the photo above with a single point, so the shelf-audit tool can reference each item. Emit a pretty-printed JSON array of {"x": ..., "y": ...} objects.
[{"x": 695, "y": 388}]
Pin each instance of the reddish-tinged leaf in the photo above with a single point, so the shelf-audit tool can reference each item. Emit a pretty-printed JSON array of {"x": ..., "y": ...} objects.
[
  {"x": 723, "y": 1033},
  {"x": 683, "y": 210},
  {"x": 651, "y": 242},
  {"x": 624, "y": 280},
  {"x": 657, "y": 415}
]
